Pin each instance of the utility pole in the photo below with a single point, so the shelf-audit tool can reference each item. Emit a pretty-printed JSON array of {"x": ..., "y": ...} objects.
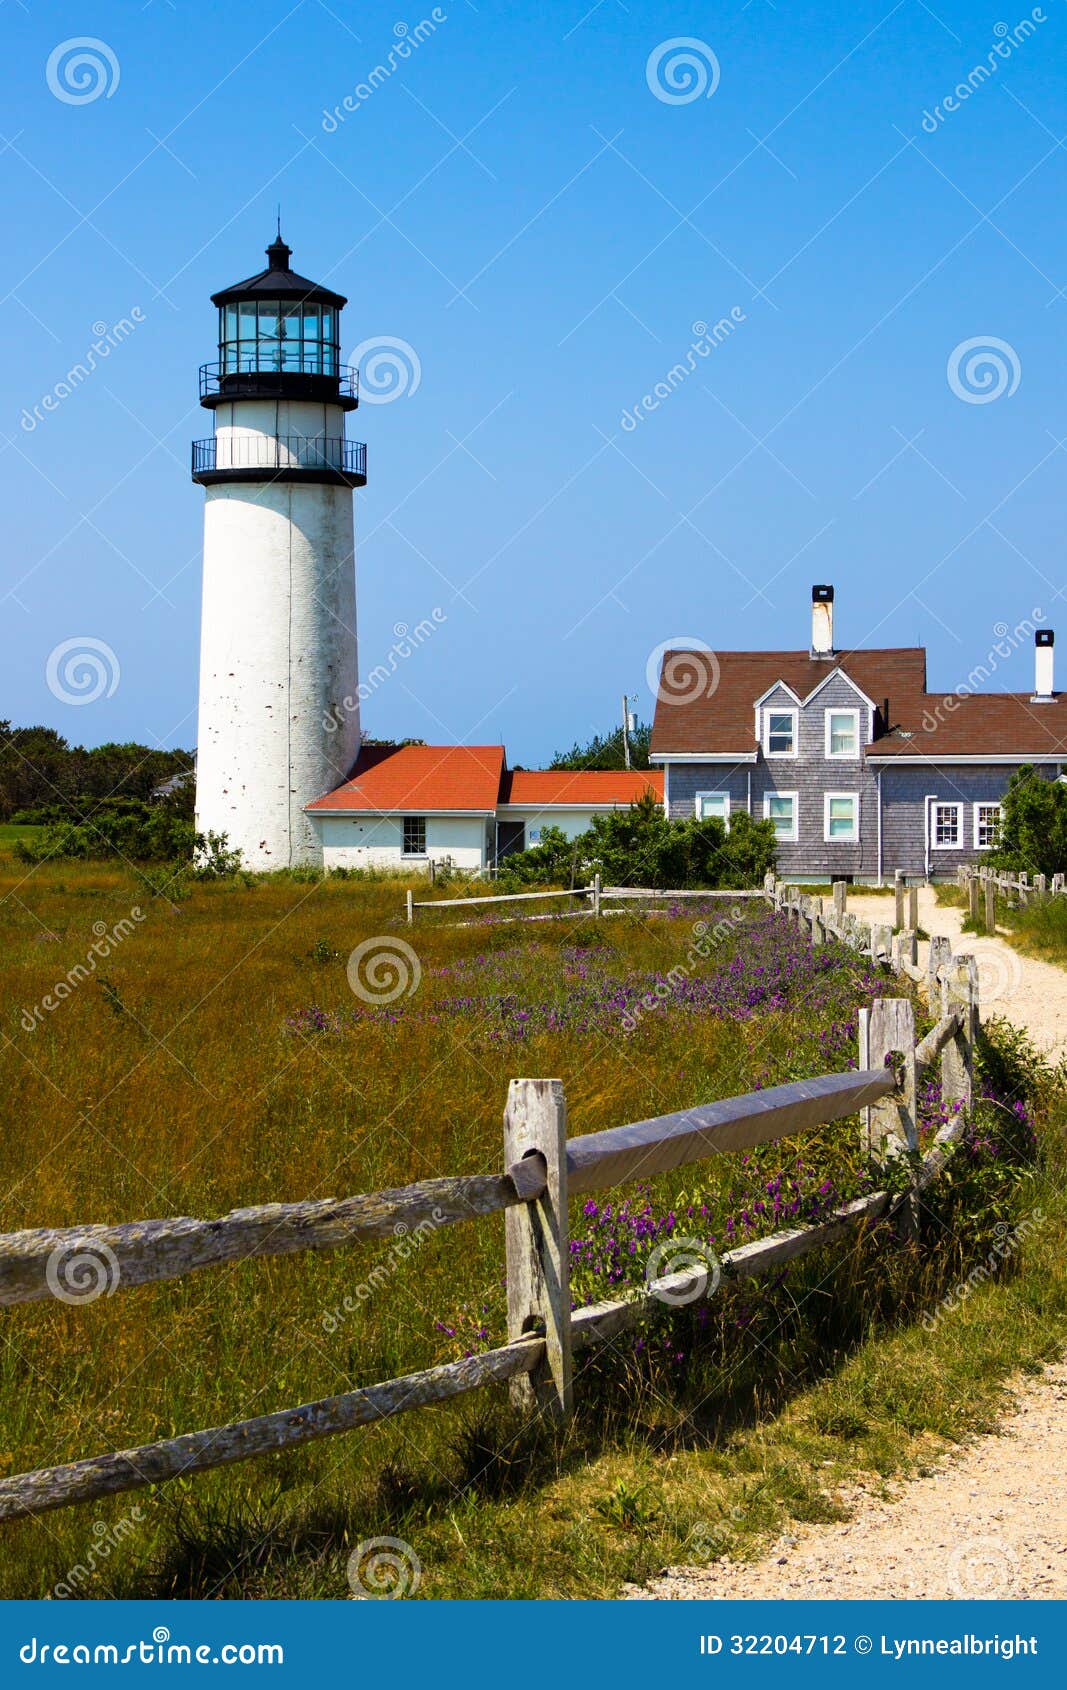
[{"x": 626, "y": 730}]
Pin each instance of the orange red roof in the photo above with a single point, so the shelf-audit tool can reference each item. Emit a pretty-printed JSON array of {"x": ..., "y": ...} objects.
[
  {"x": 580, "y": 786},
  {"x": 475, "y": 778},
  {"x": 418, "y": 778}
]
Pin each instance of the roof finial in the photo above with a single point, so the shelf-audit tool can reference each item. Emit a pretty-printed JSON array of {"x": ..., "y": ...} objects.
[{"x": 278, "y": 252}]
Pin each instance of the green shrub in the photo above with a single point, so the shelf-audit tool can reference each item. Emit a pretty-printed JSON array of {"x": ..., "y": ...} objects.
[
  {"x": 640, "y": 846},
  {"x": 1032, "y": 838}
]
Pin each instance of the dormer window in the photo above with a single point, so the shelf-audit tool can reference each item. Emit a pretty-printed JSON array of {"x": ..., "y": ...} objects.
[
  {"x": 842, "y": 734},
  {"x": 780, "y": 733}
]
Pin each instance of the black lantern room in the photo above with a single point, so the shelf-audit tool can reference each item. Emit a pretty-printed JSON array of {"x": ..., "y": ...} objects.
[{"x": 279, "y": 338}]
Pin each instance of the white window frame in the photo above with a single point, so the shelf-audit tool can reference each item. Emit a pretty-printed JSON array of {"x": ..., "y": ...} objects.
[
  {"x": 793, "y": 836},
  {"x": 770, "y": 710},
  {"x": 842, "y": 756},
  {"x": 985, "y": 804},
  {"x": 946, "y": 804},
  {"x": 725, "y": 796},
  {"x": 852, "y": 838}
]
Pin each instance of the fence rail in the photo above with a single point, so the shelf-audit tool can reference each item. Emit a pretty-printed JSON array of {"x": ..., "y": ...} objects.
[
  {"x": 544, "y": 1168},
  {"x": 595, "y": 892}
]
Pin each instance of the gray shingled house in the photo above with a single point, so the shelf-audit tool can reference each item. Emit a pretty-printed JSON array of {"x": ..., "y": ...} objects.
[{"x": 861, "y": 769}]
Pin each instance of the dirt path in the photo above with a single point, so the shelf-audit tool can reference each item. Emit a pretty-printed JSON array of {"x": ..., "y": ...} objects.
[
  {"x": 1031, "y": 993},
  {"x": 992, "y": 1522}
]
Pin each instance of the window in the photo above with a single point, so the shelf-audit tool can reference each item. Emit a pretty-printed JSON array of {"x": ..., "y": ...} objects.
[
  {"x": 713, "y": 804},
  {"x": 781, "y": 809},
  {"x": 842, "y": 733},
  {"x": 780, "y": 734},
  {"x": 945, "y": 827},
  {"x": 986, "y": 825},
  {"x": 273, "y": 335},
  {"x": 841, "y": 817},
  {"x": 414, "y": 836}
]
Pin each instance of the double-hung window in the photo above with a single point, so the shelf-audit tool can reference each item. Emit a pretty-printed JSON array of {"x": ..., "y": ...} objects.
[
  {"x": 713, "y": 804},
  {"x": 986, "y": 825},
  {"x": 946, "y": 833},
  {"x": 842, "y": 734},
  {"x": 780, "y": 733},
  {"x": 781, "y": 809},
  {"x": 414, "y": 836},
  {"x": 841, "y": 817}
]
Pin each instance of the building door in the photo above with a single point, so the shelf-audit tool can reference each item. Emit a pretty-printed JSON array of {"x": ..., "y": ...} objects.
[{"x": 510, "y": 837}]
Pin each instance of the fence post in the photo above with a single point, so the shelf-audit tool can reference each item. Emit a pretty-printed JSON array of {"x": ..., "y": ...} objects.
[
  {"x": 940, "y": 954},
  {"x": 1040, "y": 885},
  {"x": 959, "y": 991},
  {"x": 1057, "y": 884},
  {"x": 882, "y": 944},
  {"x": 891, "y": 1032},
  {"x": 972, "y": 896},
  {"x": 892, "y": 1126},
  {"x": 768, "y": 886},
  {"x": 538, "y": 1247},
  {"x": 596, "y": 893},
  {"x": 410, "y": 906},
  {"x": 818, "y": 922},
  {"x": 898, "y": 894},
  {"x": 908, "y": 946},
  {"x": 913, "y": 908},
  {"x": 840, "y": 895},
  {"x": 991, "y": 905}
]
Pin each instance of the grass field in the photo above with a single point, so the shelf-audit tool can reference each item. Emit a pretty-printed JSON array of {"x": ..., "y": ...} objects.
[{"x": 219, "y": 1057}]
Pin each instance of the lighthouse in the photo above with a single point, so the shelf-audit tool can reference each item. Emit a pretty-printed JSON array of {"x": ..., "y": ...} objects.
[{"x": 279, "y": 717}]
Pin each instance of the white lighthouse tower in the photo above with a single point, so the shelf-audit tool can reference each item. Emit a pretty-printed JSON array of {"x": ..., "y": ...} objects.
[{"x": 279, "y": 720}]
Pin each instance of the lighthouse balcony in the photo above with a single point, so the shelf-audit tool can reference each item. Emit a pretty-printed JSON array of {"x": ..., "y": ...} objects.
[
  {"x": 292, "y": 375},
  {"x": 334, "y": 461}
]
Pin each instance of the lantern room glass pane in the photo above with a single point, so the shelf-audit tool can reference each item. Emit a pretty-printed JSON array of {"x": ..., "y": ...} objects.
[{"x": 272, "y": 334}]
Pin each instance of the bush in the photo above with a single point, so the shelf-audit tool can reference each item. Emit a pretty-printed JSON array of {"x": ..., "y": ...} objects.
[
  {"x": 136, "y": 832},
  {"x": 640, "y": 846},
  {"x": 1033, "y": 826}
]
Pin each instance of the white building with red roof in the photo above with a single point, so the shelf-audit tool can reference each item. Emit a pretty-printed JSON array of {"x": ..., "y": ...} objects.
[{"x": 407, "y": 806}]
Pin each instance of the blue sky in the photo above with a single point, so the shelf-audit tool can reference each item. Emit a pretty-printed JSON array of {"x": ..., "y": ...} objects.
[{"x": 517, "y": 203}]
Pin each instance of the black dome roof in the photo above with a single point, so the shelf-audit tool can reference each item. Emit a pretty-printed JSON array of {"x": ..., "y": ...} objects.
[{"x": 278, "y": 281}]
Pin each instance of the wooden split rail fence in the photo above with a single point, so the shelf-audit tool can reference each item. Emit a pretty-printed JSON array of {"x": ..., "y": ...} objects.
[
  {"x": 597, "y": 895},
  {"x": 542, "y": 1169},
  {"x": 983, "y": 885}
]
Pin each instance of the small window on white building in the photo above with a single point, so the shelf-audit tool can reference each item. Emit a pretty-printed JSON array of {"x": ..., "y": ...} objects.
[
  {"x": 414, "y": 836},
  {"x": 841, "y": 817},
  {"x": 533, "y": 836},
  {"x": 781, "y": 809},
  {"x": 986, "y": 825},
  {"x": 842, "y": 733},
  {"x": 946, "y": 833},
  {"x": 780, "y": 733},
  {"x": 713, "y": 804}
]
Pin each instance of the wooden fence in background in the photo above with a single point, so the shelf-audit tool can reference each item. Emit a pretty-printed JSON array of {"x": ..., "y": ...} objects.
[
  {"x": 983, "y": 885},
  {"x": 542, "y": 1169}
]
